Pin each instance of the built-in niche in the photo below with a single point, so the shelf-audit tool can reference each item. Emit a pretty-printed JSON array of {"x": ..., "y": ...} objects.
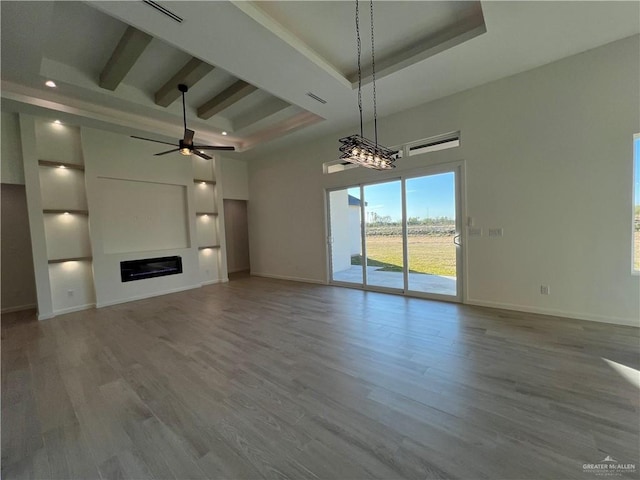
[{"x": 140, "y": 216}]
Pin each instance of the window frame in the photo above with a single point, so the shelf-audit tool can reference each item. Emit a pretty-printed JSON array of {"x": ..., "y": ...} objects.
[{"x": 634, "y": 201}]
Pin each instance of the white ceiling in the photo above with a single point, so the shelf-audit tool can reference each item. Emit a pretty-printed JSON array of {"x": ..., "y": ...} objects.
[
  {"x": 286, "y": 49},
  {"x": 398, "y": 26}
]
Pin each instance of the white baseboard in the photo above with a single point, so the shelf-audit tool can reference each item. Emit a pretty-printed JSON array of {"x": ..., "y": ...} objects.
[
  {"x": 555, "y": 313},
  {"x": 284, "y": 277},
  {"x": 18, "y": 308},
  {"x": 78, "y": 308},
  {"x": 149, "y": 295},
  {"x": 213, "y": 282}
]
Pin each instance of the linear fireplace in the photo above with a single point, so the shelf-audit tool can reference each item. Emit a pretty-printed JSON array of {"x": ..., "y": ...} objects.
[{"x": 150, "y": 267}]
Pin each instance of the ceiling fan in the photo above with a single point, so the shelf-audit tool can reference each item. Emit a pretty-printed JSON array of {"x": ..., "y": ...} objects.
[{"x": 185, "y": 145}]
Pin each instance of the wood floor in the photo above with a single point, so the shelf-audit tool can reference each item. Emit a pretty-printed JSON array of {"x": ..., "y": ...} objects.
[{"x": 261, "y": 378}]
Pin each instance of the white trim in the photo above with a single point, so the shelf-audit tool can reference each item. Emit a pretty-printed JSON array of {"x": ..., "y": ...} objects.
[
  {"x": 555, "y": 313},
  {"x": 142, "y": 297},
  {"x": 634, "y": 172},
  {"x": 19, "y": 308},
  {"x": 363, "y": 237},
  {"x": 77, "y": 308},
  {"x": 286, "y": 277},
  {"x": 45, "y": 316},
  {"x": 438, "y": 297},
  {"x": 213, "y": 282},
  {"x": 405, "y": 235}
]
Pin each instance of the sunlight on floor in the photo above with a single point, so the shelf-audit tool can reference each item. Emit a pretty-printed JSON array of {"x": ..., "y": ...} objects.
[{"x": 629, "y": 374}]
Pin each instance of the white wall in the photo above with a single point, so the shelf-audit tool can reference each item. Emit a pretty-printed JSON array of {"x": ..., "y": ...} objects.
[
  {"x": 341, "y": 233},
  {"x": 548, "y": 157},
  {"x": 130, "y": 197},
  {"x": 355, "y": 231},
  {"x": 113, "y": 156},
  {"x": 12, "y": 170},
  {"x": 235, "y": 178}
]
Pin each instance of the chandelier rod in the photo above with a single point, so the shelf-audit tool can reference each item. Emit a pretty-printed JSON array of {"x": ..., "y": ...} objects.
[
  {"x": 355, "y": 148},
  {"x": 359, "y": 46},
  {"x": 373, "y": 76}
]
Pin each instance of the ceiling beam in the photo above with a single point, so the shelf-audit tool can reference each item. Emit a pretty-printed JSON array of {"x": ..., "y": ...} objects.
[
  {"x": 231, "y": 95},
  {"x": 194, "y": 71},
  {"x": 17, "y": 97},
  {"x": 125, "y": 55}
]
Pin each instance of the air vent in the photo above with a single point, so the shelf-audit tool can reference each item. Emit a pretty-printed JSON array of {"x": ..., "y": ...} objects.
[
  {"x": 316, "y": 98},
  {"x": 163, "y": 10}
]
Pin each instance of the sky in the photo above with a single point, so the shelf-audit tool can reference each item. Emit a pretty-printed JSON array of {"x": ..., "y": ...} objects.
[{"x": 427, "y": 197}]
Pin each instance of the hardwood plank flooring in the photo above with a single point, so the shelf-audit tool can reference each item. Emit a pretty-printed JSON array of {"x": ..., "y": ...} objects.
[{"x": 263, "y": 378}]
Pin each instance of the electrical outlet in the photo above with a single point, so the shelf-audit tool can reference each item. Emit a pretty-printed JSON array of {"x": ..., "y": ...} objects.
[
  {"x": 545, "y": 290},
  {"x": 70, "y": 293},
  {"x": 475, "y": 232},
  {"x": 495, "y": 232}
]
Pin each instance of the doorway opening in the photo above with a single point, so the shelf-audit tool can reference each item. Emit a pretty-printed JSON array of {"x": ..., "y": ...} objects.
[{"x": 237, "y": 238}]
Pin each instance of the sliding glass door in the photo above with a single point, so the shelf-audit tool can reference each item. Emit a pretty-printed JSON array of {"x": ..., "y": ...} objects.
[
  {"x": 432, "y": 227},
  {"x": 401, "y": 235},
  {"x": 383, "y": 235},
  {"x": 345, "y": 235}
]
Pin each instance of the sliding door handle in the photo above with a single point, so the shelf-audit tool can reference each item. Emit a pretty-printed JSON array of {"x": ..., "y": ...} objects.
[{"x": 456, "y": 240}]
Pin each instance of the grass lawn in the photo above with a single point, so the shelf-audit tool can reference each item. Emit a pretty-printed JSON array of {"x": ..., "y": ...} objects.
[{"x": 427, "y": 254}]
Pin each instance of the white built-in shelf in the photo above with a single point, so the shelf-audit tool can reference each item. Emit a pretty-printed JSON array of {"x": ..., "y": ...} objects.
[
  {"x": 208, "y": 246},
  {"x": 71, "y": 212},
  {"x": 49, "y": 163},
  {"x": 70, "y": 259},
  {"x": 200, "y": 180},
  {"x": 207, "y": 213}
]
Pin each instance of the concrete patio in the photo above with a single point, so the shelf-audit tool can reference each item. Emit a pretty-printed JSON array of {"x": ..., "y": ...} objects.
[{"x": 418, "y": 282}]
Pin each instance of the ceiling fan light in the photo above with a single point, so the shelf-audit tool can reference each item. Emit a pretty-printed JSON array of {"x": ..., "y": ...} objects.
[{"x": 185, "y": 151}]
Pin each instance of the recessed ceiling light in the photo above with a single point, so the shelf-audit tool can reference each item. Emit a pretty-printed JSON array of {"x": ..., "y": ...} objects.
[
  {"x": 224, "y": 133},
  {"x": 50, "y": 84},
  {"x": 57, "y": 122}
]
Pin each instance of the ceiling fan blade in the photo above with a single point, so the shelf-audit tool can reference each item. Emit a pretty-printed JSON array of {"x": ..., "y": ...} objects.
[
  {"x": 202, "y": 155},
  {"x": 152, "y": 140},
  {"x": 188, "y": 136},
  {"x": 168, "y": 151},
  {"x": 213, "y": 147}
]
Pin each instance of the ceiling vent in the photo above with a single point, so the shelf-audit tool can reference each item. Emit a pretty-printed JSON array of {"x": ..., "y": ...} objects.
[
  {"x": 163, "y": 10},
  {"x": 316, "y": 98}
]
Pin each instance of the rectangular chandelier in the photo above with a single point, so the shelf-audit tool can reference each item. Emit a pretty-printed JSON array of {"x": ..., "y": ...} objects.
[{"x": 362, "y": 151}]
